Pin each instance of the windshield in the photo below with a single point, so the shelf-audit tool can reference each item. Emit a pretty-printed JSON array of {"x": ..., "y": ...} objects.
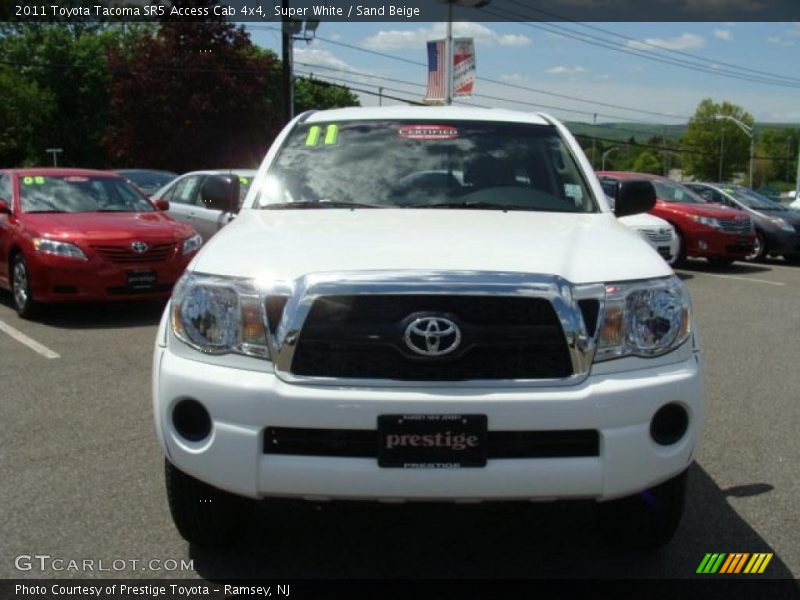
[
  {"x": 752, "y": 199},
  {"x": 149, "y": 181},
  {"x": 73, "y": 194},
  {"x": 669, "y": 191},
  {"x": 414, "y": 164}
]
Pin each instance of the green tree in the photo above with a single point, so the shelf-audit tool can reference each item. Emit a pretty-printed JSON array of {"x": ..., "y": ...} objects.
[
  {"x": 311, "y": 93},
  {"x": 706, "y": 136},
  {"x": 648, "y": 162},
  {"x": 25, "y": 113}
]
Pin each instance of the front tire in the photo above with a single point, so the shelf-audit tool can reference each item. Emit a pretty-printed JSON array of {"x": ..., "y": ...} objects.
[
  {"x": 203, "y": 514},
  {"x": 24, "y": 303},
  {"x": 644, "y": 521},
  {"x": 680, "y": 256},
  {"x": 759, "y": 251}
]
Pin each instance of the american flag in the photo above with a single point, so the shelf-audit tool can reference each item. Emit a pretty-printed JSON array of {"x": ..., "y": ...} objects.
[{"x": 436, "y": 71}]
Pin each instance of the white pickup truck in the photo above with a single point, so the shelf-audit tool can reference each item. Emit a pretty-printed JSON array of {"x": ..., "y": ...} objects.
[{"x": 428, "y": 303}]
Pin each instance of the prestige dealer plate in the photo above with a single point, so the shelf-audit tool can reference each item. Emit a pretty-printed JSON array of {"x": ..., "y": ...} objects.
[{"x": 432, "y": 441}]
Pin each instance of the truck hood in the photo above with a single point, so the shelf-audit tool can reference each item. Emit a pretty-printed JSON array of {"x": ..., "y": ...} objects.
[{"x": 282, "y": 245}]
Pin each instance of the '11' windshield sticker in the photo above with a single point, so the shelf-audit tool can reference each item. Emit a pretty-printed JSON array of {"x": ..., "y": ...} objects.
[{"x": 315, "y": 132}]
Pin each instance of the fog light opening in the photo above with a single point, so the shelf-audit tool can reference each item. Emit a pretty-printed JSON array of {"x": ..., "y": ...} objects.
[
  {"x": 669, "y": 424},
  {"x": 702, "y": 245},
  {"x": 191, "y": 420}
]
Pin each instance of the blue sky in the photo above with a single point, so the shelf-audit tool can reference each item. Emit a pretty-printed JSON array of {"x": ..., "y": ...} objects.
[{"x": 538, "y": 56}]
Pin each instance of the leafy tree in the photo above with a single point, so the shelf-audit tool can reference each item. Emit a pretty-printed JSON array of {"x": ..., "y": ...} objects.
[
  {"x": 648, "y": 162},
  {"x": 67, "y": 64},
  {"x": 192, "y": 95},
  {"x": 310, "y": 93},
  {"x": 25, "y": 112},
  {"x": 702, "y": 141}
]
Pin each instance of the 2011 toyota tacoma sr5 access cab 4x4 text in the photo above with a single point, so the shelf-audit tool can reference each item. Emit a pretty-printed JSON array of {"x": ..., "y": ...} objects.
[{"x": 428, "y": 303}]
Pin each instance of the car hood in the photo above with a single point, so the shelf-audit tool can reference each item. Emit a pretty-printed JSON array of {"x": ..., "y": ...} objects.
[
  {"x": 644, "y": 221},
  {"x": 283, "y": 245},
  {"x": 108, "y": 226},
  {"x": 715, "y": 211}
]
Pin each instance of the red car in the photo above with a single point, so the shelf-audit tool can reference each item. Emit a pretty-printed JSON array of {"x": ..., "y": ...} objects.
[
  {"x": 80, "y": 235},
  {"x": 718, "y": 233}
]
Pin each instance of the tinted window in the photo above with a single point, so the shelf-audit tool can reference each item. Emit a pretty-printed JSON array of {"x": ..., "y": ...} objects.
[
  {"x": 670, "y": 191},
  {"x": 418, "y": 164},
  {"x": 5, "y": 188},
  {"x": 80, "y": 194}
]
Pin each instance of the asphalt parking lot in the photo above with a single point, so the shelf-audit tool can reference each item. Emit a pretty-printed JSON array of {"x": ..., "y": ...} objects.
[{"x": 82, "y": 477}]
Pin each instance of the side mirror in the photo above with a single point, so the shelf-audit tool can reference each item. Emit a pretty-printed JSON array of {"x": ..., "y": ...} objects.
[
  {"x": 161, "y": 204},
  {"x": 221, "y": 193},
  {"x": 634, "y": 196},
  {"x": 5, "y": 209}
]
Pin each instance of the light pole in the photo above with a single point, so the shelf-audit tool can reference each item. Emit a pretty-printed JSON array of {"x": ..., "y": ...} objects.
[
  {"x": 449, "y": 42},
  {"x": 55, "y": 152},
  {"x": 292, "y": 30},
  {"x": 750, "y": 132},
  {"x": 605, "y": 154}
]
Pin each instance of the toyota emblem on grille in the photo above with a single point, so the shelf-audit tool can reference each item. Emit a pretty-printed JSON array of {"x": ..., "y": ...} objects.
[
  {"x": 432, "y": 336},
  {"x": 139, "y": 247}
]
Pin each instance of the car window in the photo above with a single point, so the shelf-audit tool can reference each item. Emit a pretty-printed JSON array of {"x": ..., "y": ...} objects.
[
  {"x": 670, "y": 191},
  {"x": 447, "y": 164},
  {"x": 78, "y": 193},
  {"x": 186, "y": 190},
  {"x": 609, "y": 186},
  {"x": 5, "y": 188}
]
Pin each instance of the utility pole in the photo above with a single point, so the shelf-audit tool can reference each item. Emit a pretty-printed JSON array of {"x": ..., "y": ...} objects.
[
  {"x": 797, "y": 182},
  {"x": 594, "y": 141},
  {"x": 287, "y": 60},
  {"x": 449, "y": 56},
  {"x": 721, "y": 151},
  {"x": 55, "y": 152}
]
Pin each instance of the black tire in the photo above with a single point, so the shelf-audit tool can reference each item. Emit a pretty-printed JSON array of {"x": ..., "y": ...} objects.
[
  {"x": 645, "y": 521},
  {"x": 792, "y": 259},
  {"x": 680, "y": 257},
  {"x": 760, "y": 251},
  {"x": 203, "y": 514},
  {"x": 21, "y": 295}
]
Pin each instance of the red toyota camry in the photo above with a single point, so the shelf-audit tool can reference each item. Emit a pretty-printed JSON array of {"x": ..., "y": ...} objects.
[
  {"x": 718, "y": 233},
  {"x": 78, "y": 235}
]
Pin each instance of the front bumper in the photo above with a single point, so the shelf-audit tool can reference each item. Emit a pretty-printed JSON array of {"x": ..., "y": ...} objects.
[
  {"x": 60, "y": 279},
  {"x": 710, "y": 243},
  {"x": 781, "y": 242},
  {"x": 243, "y": 403}
]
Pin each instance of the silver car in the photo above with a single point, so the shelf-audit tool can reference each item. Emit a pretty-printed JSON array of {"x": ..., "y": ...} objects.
[{"x": 186, "y": 201}]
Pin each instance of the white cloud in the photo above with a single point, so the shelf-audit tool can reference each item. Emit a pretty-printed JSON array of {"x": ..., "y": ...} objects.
[
  {"x": 304, "y": 57},
  {"x": 685, "y": 41},
  {"x": 779, "y": 41},
  {"x": 397, "y": 39},
  {"x": 562, "y": 70},
  {"x": 723, "y": 34}
]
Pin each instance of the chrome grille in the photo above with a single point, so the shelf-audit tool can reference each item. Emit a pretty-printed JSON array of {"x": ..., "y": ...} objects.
[
  {"x": 735, "y": 225},
  {"x": 660, "y": 236},
  {"x": 123, "y": 254}
]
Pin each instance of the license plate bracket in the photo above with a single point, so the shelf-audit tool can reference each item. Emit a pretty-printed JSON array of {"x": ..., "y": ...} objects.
[
  {"x": 423, "y": 441},
  {"x": 141, "y": 280}
]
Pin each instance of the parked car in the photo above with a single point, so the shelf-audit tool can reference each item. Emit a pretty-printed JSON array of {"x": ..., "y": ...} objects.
[
  {"x": 149, "y": 181},
  {"x": 498, "y": 337},
  {"x": 658, "y": 232},
  {"x": 188, "y": 197},
  {"x": 777, "y": 227},
  {"x": 718, "y": 233},
  {"x": 77, "y": 234}
]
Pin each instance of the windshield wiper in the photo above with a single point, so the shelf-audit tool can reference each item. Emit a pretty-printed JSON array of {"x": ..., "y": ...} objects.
[
  {"x": 470, "y": 205},
  {"x": 321, "y": 204}
]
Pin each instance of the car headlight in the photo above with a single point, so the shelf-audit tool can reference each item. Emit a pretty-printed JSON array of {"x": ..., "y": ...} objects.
[
  {"x": 217, "y": 315},
  {"x": 48, "y": 246},
  {"x": 191, "y": 244},
  {"x": 644, "y": 318},
  {"x": 781, "y": 224},
  {"x": 707, "y": 221}
]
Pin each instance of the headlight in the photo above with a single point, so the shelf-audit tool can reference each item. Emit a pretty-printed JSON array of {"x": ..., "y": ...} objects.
[
  {"x": 646, "y": 318},
  {"x": 191, "y": 244},
  {"x": 47, "y": 246},
  {"x": 781, "y": 224},
  {"x": 216, "y": 315},
  {"x": 707, "y": 221}
]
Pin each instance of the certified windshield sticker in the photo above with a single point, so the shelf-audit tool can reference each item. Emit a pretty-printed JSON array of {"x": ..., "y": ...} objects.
[
  {"x": 244, "y": 180},
  {"x": 428, "y": 132},
  {"x": 313, "y": 135},
  {"x": 331, "y": 134}
]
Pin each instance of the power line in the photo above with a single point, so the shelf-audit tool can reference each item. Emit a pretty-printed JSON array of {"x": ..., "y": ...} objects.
[
  {"x": 651, "y": 44},
  {"x": 603, "y": 43}
]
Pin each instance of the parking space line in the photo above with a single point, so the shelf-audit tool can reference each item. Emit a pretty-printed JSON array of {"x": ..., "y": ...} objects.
[
  {"x": 29, "y": 342},
  {"x": 738, "y": 277}
]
